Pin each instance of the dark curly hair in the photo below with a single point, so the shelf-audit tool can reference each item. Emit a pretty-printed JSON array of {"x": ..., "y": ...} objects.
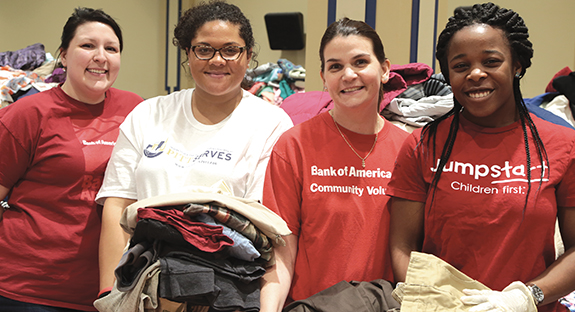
[
  {"x": 521, "y": 48},
  {"x": 194, "y": 18}
]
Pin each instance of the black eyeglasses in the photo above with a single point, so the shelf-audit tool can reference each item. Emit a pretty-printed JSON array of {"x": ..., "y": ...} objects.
[{"x": 229, "y": 53}]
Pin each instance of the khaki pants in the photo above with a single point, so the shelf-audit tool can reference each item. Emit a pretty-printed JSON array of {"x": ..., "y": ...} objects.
[{"x": 432, "y": 284}]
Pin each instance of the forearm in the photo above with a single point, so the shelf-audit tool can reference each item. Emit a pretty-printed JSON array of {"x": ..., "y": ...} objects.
[
  {"x": 405, "y": 234},
  {"x": 113, "y": 239},
  {"x": 276, "y": 283},
  {"x": 559, "y": 279}
]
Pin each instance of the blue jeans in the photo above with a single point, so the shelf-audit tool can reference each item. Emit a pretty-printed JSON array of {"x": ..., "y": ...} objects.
[{"x": 9, "y": 305}]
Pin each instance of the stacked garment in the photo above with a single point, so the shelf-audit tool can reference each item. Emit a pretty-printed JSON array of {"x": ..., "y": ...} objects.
[
  {"x": 206, "y": 249},
  {"x": 274, "y": 82},
  {"x": 420, "y": 103},
  {"x": 25, "y": 72}
]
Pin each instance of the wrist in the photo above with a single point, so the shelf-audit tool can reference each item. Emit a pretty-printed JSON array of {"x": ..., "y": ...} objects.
[{"x": 536, "y": 293}]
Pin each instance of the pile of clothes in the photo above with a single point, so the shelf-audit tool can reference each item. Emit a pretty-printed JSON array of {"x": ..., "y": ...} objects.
[
  {"x": 274, "y": 82},
  {"x": 204, "y": 249},
  {"x": 27, "y": 71}
]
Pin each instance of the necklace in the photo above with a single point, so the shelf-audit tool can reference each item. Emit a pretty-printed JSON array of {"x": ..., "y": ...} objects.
[{"x": 348, "y": 144}]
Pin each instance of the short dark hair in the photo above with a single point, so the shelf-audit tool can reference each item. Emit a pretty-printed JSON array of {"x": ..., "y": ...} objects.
[
  {"x": 85, "y": 15},
  {"x": 194, "y": 18}
]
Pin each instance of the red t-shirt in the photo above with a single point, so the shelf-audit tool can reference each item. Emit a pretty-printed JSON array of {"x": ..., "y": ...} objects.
[
  {"x": 477, "y": 221},
  {"x": 54, "y": 153},
  {"x": 337, "y": 209}
]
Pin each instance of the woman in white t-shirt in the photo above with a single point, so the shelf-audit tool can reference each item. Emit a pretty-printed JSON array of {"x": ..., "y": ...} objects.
[{"x": 194, "y": 137}]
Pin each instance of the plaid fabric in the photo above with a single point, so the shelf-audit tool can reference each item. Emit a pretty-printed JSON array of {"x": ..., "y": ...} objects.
[{"x": 237, "y": 222}]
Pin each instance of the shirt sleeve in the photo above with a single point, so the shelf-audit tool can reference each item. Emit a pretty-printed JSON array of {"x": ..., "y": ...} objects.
[
  {"x": 283, "y": 189},
  {"x": 407, "y": 180},
  {"x": 565, "y": 194},
  {"x": 120, "y": 178},
  {"x": 256, "y": 184}
]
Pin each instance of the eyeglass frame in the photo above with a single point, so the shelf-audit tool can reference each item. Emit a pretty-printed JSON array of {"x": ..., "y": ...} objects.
[{"x": 242, "y": 49}]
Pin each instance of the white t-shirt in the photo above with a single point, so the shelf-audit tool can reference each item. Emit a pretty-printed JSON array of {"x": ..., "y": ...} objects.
[{"x": 163, "y": 149}]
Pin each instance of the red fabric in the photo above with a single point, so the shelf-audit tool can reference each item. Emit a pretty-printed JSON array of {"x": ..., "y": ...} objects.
[
  {"x": 342, "y": 233},
  {"x": 54, "y": 153},
  {"x": 205, "y": 237},
  {"x": 477, "y": 222},
  {"x": 563, "y": 72}
]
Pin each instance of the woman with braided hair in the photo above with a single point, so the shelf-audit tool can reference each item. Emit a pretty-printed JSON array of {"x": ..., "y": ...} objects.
[{"x": 482, "y": 186}]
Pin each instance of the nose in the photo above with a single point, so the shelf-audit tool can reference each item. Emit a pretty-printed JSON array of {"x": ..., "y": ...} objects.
[
  {"x": 217, "y": 59},
  {"x": 349, "y": 73},
  {"x": 476, "y": 74},
  {"x": 100, "y": 55}
]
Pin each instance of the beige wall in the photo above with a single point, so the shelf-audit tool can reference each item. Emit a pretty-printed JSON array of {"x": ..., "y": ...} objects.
[{"x": 143, "y": 23}]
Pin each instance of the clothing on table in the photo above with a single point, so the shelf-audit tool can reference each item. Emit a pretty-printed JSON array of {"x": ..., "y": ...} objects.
[
  {"x": 485, "y": 172},
  {"x": 534, "y": 106},
  {"x": 418, "y": 113},
  {"x": 312, "y": 167},
  {"x": 163, "y": 149},
  {"x": 54, "y": 152},
  {"x": 374, "y": 296}
]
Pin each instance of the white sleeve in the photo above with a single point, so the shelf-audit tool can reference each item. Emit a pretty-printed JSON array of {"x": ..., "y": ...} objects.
[
  {"x": 120, "y": 178},
  {"x": 255, "y": 187}
]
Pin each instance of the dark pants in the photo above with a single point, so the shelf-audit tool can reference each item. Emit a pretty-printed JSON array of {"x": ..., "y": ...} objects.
[{"x": 9, "y": 305}]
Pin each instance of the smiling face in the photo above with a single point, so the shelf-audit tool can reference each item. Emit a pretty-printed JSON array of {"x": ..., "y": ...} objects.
[
  {"x": 352, "y": 74},
  {"x": 481, "y": 73},
  {"x": 217, "y": 77},
  {"x": 92, "y": 62}
]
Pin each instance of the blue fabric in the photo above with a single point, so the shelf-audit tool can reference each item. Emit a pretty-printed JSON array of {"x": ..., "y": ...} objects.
[
  {"x": 9, "y": 305},
  {"x": 533, "y": 106}
]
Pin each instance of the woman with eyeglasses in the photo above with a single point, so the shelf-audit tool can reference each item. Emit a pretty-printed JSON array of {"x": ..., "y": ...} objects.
[{"x": 194, "y": 137}]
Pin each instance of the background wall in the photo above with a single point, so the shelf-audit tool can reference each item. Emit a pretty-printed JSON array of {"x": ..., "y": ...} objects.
[{"x": 143, "y": 23}]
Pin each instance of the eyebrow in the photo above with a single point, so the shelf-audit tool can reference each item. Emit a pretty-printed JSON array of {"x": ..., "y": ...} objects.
[
  {"x": 353, "y": 58},
  {"x": 233, "y": 43},
  {"x": 458, "y": 56}
]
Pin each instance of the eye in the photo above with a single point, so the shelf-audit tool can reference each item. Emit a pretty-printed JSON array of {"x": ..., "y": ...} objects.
[
  {"x": 112, "y": 49},
  {"x": 231, "y": 50},
  {"x": 87, "y": 45},
  {"x": 492, "y": 62},
  {"x": 459, "y": 67},
  {"x": 204, "y": 49},
  {"x": 334, "y": 67},
  {"x": 361, "y": 62}
]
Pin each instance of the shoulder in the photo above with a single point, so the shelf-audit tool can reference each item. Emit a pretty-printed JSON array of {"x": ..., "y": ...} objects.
[
  {"x": 256, "y": 112},
  {"x": 308, "y": 131},
  {"x": 164, "y": 104},
  {"x": 552, "y": 133}
]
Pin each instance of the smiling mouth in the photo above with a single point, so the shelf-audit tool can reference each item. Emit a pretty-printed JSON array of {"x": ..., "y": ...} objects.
[
  {"x": 351, "y": 89},
  {"x": 97, "y": 71},
  {"x": 479, "y": 94}
]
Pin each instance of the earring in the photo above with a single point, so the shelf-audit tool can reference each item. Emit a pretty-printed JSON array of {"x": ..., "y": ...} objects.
[
  {"x": 517, "y": 75},
  {"x": 188, "y": 63},
  {"x": 324, "y": 88}
]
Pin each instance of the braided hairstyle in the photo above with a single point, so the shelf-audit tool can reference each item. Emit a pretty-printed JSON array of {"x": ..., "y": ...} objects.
[{"x": 517, "y": 35}]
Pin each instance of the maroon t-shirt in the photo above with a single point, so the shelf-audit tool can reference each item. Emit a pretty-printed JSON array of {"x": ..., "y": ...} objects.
[{"x": 54, "y": 154}]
